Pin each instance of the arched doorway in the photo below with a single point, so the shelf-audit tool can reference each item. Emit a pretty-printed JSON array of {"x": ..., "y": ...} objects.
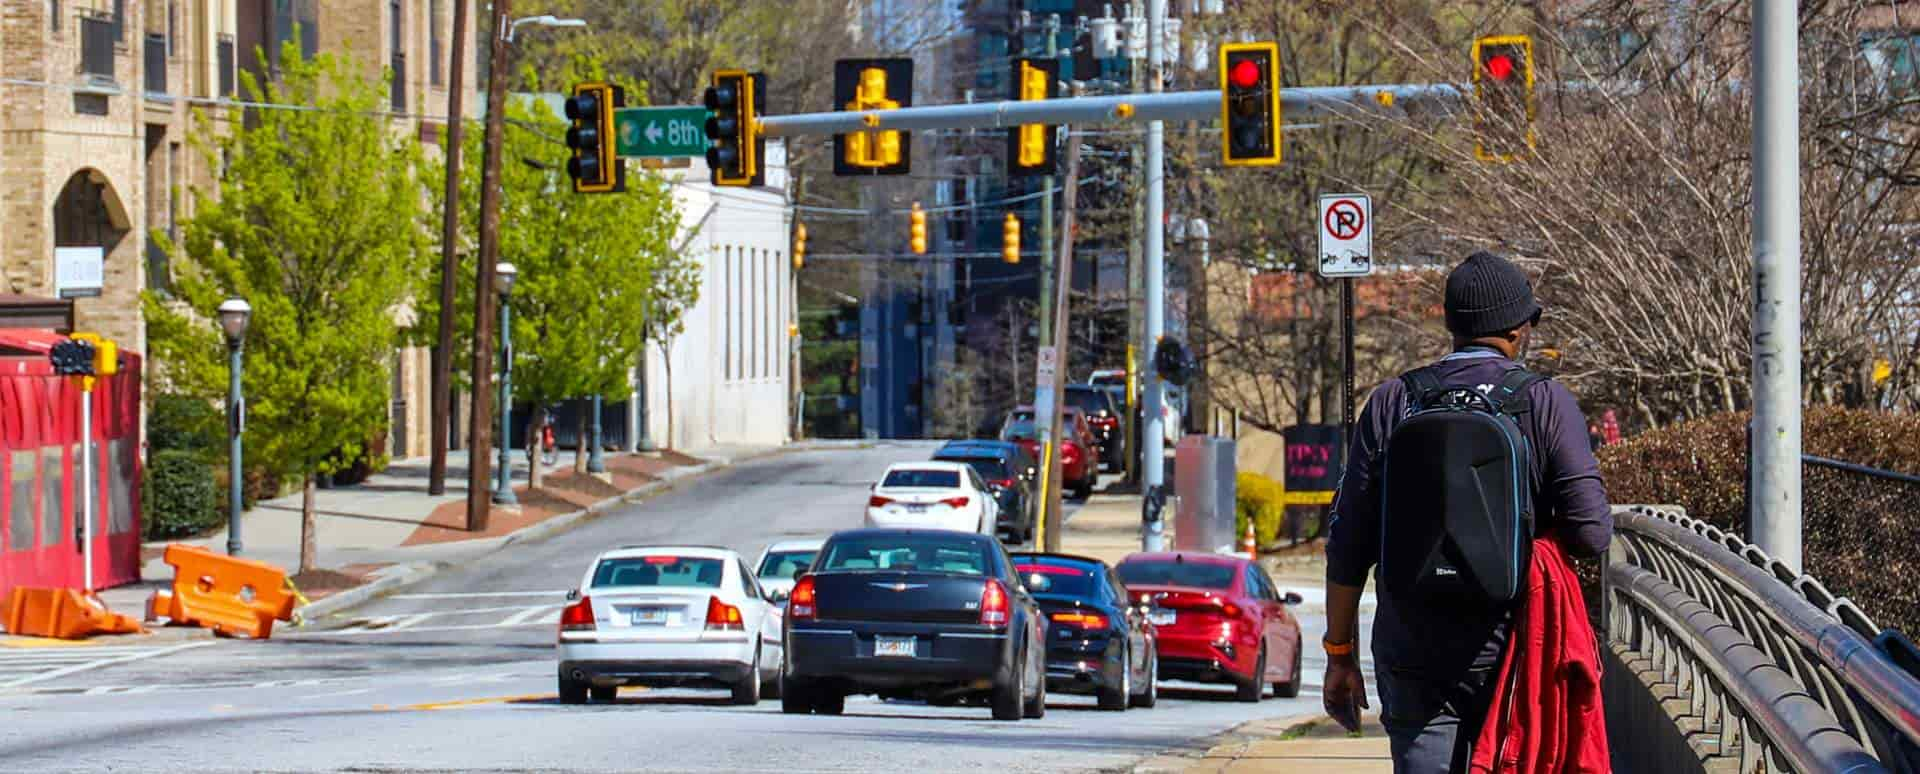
[{"x": 88, "y": 213}]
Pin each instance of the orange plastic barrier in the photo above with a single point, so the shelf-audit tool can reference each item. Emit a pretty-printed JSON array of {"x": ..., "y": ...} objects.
[
  {"x": 63, "y": 613},
  {"x": 233, "y": 597}
]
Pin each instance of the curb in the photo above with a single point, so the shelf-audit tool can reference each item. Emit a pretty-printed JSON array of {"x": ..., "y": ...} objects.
[{"x": 415, "y": 572}]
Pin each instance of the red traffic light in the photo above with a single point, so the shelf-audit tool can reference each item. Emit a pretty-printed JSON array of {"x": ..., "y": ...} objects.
[
  {"x": 1500, "y": 66},
  {"x": 1245, "y": 74}
]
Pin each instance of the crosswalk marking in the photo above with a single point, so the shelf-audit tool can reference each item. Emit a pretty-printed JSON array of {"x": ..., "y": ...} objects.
[
  {"x": 517, "y": 616},
  {"x": 521, "y": 617},
  {"x": 39, "y": 665}
]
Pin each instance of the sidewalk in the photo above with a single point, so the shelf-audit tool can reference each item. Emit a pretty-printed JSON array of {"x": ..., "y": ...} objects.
[{"x": 388, "y": 531}]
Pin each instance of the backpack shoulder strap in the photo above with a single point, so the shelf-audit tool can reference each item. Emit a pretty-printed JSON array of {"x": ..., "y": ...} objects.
[
  {"x": 1510, "y": 395},
  {"x": 1421, "y": 385}
]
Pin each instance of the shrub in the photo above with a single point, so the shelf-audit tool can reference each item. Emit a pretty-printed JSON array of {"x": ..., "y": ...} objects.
[
  {"x": 1258, "y": 498},
  {"x": 192, "y": 425},
  {"x": 179, "y": 497}
]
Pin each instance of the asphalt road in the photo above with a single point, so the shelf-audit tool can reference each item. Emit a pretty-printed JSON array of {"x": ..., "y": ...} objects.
[{"x": 457, "y": 673}]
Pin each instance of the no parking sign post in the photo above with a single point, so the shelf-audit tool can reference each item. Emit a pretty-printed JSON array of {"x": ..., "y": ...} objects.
[{"x": 1346, "y": 251}]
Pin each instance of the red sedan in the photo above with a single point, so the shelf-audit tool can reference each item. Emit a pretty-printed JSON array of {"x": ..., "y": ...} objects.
[
  {"x": 1079, "y": 460},
  {"x": 1219, "y": 619}
]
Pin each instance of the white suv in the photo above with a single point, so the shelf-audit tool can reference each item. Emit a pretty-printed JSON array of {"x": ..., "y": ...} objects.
[{"x": 669, "y": 616}]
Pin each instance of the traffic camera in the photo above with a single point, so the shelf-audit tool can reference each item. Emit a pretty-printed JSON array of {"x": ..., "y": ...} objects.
[
  {"x": 1250, "y": 104},
  {"x": 869, "y": 86},
  {"x": 1030, "y": 147},
  {"x": 595, "y": 166},
  {"x": 917, "y": 230},
  {"x": 733, "y": 131},
  {"x": 1010, "y": 239},
  {"x": 1503, "y": 97}
]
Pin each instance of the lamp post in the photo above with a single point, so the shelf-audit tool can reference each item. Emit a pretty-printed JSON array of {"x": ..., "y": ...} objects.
[
  {"x": 596, "y": 461},
  {"x": 235, "y": 313},
  {"x": 503, "y": 278}
]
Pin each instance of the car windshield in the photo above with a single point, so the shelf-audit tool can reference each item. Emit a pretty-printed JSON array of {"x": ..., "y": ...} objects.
[
  {"x": 1089, "y": 401},
  {"x": 678, "y": 571},
  {"x": 781, "y": 565},
  {"x": 914, "y": 478},
  {"x": 1020, "y": 428},
  {"x": 918, "y": 551},
  {"x": 1206, "y": 575},
  {"x": 988, "y": 468},
  {"x": 1064, "y": 579}
]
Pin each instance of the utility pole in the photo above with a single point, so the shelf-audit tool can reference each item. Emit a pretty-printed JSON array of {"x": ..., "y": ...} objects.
[
  {"x": 1136, "y": 280},
  {"x": 449, "y": 255},
  {"x": 1063, "y": 286},
  {"x": 1775, "y": 453},
  {"x": 478, "y": 493},
  {"x": 1152, "y": 531},
  {"x": 1046, "y": 259}
]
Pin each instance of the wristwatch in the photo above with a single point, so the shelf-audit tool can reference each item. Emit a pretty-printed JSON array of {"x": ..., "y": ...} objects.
[{"x": 1338, "y": 648}]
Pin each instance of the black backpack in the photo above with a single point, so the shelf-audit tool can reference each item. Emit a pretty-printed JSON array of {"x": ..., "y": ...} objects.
[{"x": 1456, "y": 506}]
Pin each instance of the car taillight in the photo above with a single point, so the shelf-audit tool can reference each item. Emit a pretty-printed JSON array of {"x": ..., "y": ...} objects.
[
  {"x": 1005, "y": 483},
  {"x": 877, "y": 501},
  {"x": 578, "y": 617},
  {"x": 1082, "y": 620},
  {"x": 721, "y": 615},
  {"x": 993, "y": 604},
  {"x": 955, "y": 502},
  {"x": 800, "y": 602},
  {"x": 1232, "y": 610}
]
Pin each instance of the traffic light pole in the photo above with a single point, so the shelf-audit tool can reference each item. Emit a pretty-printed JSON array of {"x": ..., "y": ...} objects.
[
  {"x": 1776, "y": 444},
  {"x": 1152, "y": 437}
]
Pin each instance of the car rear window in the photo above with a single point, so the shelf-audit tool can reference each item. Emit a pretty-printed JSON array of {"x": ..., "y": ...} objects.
[
  {"x": 1020, "y": 428},
  {"x": 1204, "y": 575},
  {"x": 922, "y": 479},
  {"x": 1064, "y": 579},
  {"x": 1089, "y": 401},
  {"x": 668, "y": 571},
  {"x": 921, "y": 552},
  {"x": 781, "y": 565},
  {"x": 989, "y": 469}
]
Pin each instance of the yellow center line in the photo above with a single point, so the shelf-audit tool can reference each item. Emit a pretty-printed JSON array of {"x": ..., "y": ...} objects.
[
  {"x": 46, "y": 642},
  {"x": 440, "y": 705}
]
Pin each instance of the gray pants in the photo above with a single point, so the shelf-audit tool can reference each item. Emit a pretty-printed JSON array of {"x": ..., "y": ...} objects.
[{"x": 1433, "y": 720}]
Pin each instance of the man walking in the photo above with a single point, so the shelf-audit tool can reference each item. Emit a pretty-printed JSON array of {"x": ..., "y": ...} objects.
[{"x": 1447, "y": 588}]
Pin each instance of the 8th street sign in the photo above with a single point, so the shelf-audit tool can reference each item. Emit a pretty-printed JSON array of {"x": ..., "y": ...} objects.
[{"x": 660, "y": 132}]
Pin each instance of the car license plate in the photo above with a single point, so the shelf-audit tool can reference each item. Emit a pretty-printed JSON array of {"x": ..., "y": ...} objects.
[
  {"x": 648, "y": 616},
  {"x": 1161, "y": 617},
  {"x": 916, "y": 508},
  {"x": 893, "y": 646}
]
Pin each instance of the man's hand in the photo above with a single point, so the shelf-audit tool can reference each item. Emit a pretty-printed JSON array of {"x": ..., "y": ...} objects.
[{"x": 1345, "y": 691}]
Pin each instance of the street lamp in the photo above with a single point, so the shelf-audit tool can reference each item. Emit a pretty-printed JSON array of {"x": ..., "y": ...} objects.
[
  {"x": 235, "y": 313},
  {"x": 546, "y": 20},
  {"x": 503, "y": 276}
]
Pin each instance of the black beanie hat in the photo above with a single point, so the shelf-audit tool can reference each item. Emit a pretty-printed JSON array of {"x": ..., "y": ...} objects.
[{"x": 1488, "y": 294}]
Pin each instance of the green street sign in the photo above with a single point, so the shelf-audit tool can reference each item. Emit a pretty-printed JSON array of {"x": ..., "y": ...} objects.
[{"x": 660, "y": 132}]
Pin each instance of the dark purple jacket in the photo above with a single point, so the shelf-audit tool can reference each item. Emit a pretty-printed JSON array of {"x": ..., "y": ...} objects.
[{"x": 1570, "y": 503}]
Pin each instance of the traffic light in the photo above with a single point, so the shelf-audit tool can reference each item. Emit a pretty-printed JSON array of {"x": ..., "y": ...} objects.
[
  {"x": 73, "y": 357},
  {"x": 1250, "y": 104},
  {"x": 799, "y": 245},
  {"x": 917, "y": 230},
  {"x": 1010, "y": 239},
  {"x": 869, "y": 86},
  {"x": 1503, "y": 97},
  {"x": 734, "y": 157},
  {"x": 1030, "y": 147},
  {"x": 595, "y": 166}
]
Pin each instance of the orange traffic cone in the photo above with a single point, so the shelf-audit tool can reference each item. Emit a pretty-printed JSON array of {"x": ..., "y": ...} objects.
[{"x": 1248, "y": 544}]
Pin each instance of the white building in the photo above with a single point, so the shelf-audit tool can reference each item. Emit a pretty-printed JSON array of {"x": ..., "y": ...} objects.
[{"x": 732, "y": 368}]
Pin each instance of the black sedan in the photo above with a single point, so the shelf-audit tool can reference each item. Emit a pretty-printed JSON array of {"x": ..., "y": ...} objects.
[
  {"x": 1004, "y": 466},
  {"x": 1097, "y": 642},
  {"x": 910, "y": 613}
]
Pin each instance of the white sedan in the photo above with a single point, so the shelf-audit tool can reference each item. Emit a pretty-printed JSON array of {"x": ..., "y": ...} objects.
[
  {"x": 669, "y": 616},
  {"x": 781, "y": 562},
  {"x": 938, "y": 495}
]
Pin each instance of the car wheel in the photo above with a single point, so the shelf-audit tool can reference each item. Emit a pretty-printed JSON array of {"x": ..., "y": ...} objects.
[
  {"x": 1083, "y": 491},
  {"x": 1006, "y": 693},
  {"x": 1251, "y": 688},
  {"x": 1036, "y": 705},
  {"x": 1151, "y": 696},
  {"x": 1113, "y": 696},
  {"x": 605, "y": 693},
  {"x": 572, "y": 691},
  {"x": 795, "y": 696},
  {"x": 829, "y": 702},
  {"x": 1290, "y": 688},
  {"x": 747, "y": 692}
]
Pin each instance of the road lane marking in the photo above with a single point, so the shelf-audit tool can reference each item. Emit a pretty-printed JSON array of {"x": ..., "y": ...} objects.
[
  {"x": 480, "y": 594},
  {"x": 334, "y": 694},
  {"x": 48, "y": 642},
  {"x": 521, "y": 617},
  {"x": 107, "y": 659},
  {"x": 458, "y": 703},
  {"x": 357, "y": 631},
  {"x": 368, "y": 624},
  {"x": 410, "y": 620}
]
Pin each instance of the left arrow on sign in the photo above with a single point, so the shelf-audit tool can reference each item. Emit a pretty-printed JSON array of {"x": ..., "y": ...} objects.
[{"x": 653, "y": 132}]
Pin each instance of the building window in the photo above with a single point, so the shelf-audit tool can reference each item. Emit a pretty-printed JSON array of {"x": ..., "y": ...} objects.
[
  {"x": 53, "y": 14},
  {"x": 1892, "y": 57},
  {"x": 435, "y": 43},
  {"x": 396, "y": 44}
]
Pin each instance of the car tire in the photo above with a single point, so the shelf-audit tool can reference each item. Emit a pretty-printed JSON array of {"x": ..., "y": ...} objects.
[
  {"x": 746, "y": 693},
  {"x": 1251, "y": 689},
  {"x": 795, "y": 696},
  {"x": 829, "y": 702},
  {"x": 1291, "y": 688},
  {"x": 572, "y": 691},
  {"x": 1006, "y": 693},
  {"x": 604, "y": 693},
  {"x": 1151, "y": 696},
  {"x": 1113, "y": 696},
  {"x": 1083, "y": 491},
  {"x": 1035, "y": 706}
]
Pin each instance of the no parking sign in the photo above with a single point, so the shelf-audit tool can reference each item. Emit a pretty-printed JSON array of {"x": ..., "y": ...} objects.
[{"x": 1346, "y": 235}]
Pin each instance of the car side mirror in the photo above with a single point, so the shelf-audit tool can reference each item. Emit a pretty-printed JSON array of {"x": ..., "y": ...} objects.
[
  {"x": 777, "y": 596},
  {"x": 573, "y": 595},
  {"x": 1291, "y": 598}
]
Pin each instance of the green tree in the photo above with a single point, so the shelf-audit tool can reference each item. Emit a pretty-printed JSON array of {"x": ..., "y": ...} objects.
[
  {"x": 585, "y": 263},
  {"x": 676, "y": 290},
  {"x": 316, "y": 223}
]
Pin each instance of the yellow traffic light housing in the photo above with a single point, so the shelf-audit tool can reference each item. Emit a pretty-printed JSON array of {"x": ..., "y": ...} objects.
[
  {"x": 1010, "y": 239},
  {"x": 799, "y": 245},
  {"x": 1250, "y": 114},
  {"x": 1030, "y": 147},
  {"x": 1503, "y": 97},
  {"x": 872, "y": 86},
  {"x": 595, "y": 166},
  {"x": 734, "y": 130},
  {"x": 917, "y": 230}
]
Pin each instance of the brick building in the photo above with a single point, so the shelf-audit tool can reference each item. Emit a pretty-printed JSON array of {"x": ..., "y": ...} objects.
[{"x": 96, "y": 121}]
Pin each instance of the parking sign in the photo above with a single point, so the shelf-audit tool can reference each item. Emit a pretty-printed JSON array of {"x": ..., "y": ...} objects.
[{"x": 1346, "y": 235}]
